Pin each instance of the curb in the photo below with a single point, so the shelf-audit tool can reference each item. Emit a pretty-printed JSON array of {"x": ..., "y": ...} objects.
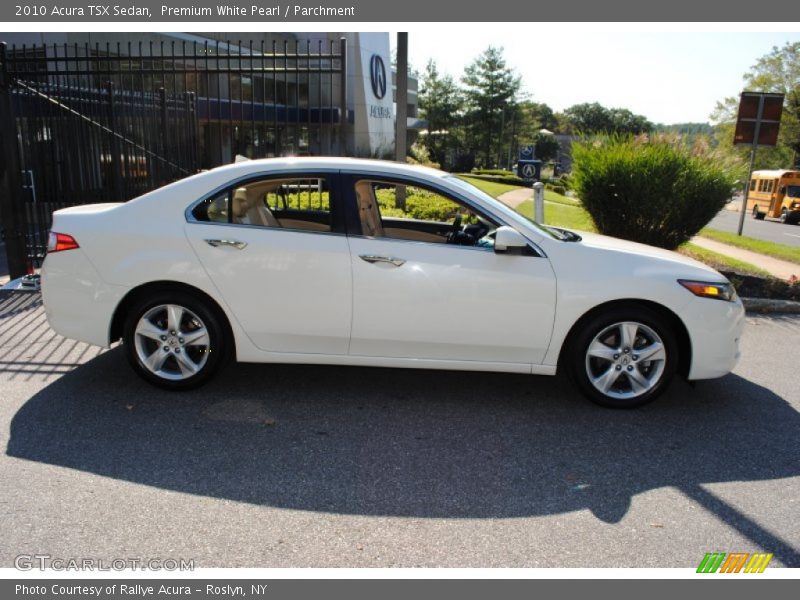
[{"x": 768, "y": 305}]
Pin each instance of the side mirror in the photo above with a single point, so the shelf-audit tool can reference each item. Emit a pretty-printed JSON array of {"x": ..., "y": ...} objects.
[{"x": 507, "y": 238}]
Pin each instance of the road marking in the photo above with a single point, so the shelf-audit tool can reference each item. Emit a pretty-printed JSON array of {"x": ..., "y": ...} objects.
[{"x": 792, "y": 234}]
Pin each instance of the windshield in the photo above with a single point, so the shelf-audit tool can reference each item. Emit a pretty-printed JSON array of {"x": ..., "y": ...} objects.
[
  {"x": 500, "y": 207},
  {"x": 793, "y": 191}
]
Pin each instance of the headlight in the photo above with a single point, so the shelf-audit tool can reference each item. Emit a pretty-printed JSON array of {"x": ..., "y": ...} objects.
[{"x": 718, "y": 291}]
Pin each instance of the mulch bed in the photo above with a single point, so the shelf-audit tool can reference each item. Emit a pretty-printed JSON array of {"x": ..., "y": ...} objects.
[{"x": 752, "y": 286}]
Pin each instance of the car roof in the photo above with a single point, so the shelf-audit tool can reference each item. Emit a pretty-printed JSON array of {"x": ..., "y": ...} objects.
[{"x": 327, "y": 162}]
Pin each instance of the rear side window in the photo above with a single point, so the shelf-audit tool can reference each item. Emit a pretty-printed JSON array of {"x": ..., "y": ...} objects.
[
  {"x": 215, "y": 209},
  {"x": 297, "y": 203}
]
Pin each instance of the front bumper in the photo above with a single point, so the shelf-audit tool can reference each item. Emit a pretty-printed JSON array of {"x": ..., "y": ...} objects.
[{"x": 715, "y": 331}]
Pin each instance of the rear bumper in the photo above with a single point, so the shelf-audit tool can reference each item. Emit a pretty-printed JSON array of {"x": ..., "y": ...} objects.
[
  {"x": 78, "y": 304},
  {"x": 715, "y": 331}
]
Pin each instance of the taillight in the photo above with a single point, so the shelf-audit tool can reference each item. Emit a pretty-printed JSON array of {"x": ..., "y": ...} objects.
[{"x": 56, "y": 242}]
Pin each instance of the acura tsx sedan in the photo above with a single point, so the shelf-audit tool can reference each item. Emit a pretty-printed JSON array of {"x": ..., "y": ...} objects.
[{"x": 356, "y": 262}]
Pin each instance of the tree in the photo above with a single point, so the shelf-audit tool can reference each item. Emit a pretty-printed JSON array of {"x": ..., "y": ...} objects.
[
  {"x": 490, "y": 91},
  {"x": 441, "y": 104},
  {"x": 546, "y": 146},
  {"x": 591, "y": 118},
  {"x": 777, "y": 71}
]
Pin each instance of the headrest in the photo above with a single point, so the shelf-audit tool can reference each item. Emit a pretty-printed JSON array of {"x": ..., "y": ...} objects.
[{"x": 240, "y": 203}]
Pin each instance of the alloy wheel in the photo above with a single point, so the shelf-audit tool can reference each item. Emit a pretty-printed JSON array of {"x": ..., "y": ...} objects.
[
  {"x": 172, "y": 342},
  {"x": 625, "y": 360}
]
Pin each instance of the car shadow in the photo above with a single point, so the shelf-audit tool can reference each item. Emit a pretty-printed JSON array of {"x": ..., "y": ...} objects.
[{"x": 411, "y": 442}]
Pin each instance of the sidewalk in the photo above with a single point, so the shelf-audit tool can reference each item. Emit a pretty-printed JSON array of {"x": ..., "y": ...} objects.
[
  {"x": 516, "y": 197},
  {"x": 777, "y": 268}
]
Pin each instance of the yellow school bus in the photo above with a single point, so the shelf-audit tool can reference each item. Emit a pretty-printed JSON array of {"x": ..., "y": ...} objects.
[{"x": 775, "y": 194}]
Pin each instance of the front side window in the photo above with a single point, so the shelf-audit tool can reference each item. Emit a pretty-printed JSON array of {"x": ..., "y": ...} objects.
[
  {"x": 299, "y": 203},
  {"x": 407, "y": 212}
]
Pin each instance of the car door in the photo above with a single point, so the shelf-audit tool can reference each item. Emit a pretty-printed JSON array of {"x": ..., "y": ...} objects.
[
  {"x": 422, "y": 299},
  {"x": 275, "y": 248}
]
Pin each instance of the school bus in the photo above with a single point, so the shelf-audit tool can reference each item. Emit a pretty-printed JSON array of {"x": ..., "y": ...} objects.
[{"x": 775, "y": 194}]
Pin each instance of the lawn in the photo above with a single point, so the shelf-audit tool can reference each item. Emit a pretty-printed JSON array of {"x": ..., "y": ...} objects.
[
  {"x": 720, "y": 261},
  {"x": 560, "y": 215},
  {"x": 490, "y": 187},
  {"x": 781, "y": 251}
]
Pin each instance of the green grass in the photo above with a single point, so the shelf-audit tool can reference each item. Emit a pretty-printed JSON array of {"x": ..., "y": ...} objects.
[
  {"x": 781, "y": 251},
  {"x": 498, "y": 189},
  {"x": 490, "y": 187},
  {"x": 720, "y": 261},
  {"x": 560, "y": 215},
  {"x": 551, "y": 196}
]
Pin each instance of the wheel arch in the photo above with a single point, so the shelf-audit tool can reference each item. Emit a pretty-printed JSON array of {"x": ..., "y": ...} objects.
[
  {"x": 678, "y": 327},
  {"x": 149, "y": 288}
]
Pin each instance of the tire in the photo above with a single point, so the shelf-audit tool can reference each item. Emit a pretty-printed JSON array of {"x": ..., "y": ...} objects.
[
  {"x": 600, "y": 355},
  {"x": 174, "y": 340},
  {"x": 784, "y": 218},
  {"x": 758, "y": 215}
]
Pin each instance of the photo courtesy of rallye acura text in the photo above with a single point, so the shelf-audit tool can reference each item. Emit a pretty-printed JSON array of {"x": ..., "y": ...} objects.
[{"x": 315, "y": 260}]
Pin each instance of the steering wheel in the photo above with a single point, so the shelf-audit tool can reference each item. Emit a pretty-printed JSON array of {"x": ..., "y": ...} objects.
[{"x": 456, "y": 229}]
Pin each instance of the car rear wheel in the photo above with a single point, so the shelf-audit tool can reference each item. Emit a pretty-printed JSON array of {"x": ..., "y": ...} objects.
[
  {"x": 174, "y": 340},
  {"x": 624, "y": 358}
]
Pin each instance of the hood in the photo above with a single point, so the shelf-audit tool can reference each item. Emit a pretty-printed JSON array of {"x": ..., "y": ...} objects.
[{"x": 637, "y": 250}]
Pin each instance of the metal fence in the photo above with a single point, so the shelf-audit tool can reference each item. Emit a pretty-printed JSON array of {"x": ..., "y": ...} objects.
[{"x": 89, "y": 123}]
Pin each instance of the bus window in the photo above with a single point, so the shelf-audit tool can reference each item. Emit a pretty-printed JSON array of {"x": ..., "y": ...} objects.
[{"x": 752, "y": 185}]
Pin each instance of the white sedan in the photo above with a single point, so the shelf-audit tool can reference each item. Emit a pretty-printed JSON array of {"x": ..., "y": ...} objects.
[{"x": 356, "y": 262}]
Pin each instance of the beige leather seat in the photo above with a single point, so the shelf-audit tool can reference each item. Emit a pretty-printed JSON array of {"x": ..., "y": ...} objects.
[
  {"x": 371, "y": 224},
  {"x": 249, "y": 208}
]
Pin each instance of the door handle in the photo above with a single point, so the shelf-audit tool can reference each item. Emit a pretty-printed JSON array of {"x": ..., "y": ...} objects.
[
  {"x": 371, "y": 258},
  {"x": 232, "y": 243}
]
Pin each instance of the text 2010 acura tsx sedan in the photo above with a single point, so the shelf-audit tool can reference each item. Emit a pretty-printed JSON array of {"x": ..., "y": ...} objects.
[{"x": 357, "y": 262}]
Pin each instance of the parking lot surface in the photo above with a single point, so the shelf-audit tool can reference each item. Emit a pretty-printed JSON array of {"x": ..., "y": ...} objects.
[{"x": 297, "y": 466}]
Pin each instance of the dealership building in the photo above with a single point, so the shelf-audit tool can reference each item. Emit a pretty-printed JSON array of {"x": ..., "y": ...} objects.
[
  {"x": 106, "y": 117},
  {"x": 289, "y": 109}
]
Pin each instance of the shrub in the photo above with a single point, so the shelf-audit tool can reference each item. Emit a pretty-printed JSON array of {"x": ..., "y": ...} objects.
[
  {"x": 500, "y": 172},
  {"x": 657, "y": 191},
  {"x": 420, "y": 204},
  {"x": 509, "y": 179},
  {"x": 560, "y": 189}
]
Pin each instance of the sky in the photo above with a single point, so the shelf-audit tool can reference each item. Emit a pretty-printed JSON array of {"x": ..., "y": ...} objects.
[{"x": 669, "y": 77}]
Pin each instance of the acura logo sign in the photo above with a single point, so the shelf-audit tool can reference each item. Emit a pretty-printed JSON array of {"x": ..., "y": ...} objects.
[{"x": 377, "y": 76}]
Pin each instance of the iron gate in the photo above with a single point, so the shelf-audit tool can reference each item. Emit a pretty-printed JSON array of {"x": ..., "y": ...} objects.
[{"x": 87, "y": 123}]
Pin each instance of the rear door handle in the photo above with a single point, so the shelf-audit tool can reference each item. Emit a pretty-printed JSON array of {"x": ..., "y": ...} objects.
[
  {"x": 372, "y": 258},
  {"x": 232, "y": 243}
]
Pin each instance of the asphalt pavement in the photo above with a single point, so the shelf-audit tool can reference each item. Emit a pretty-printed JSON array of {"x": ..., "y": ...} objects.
[
  {"x": 296, "y": 466},
  {"x": 769, "y": 230}
]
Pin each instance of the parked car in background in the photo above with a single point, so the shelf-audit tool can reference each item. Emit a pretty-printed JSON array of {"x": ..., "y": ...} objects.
[{"x": 357, "y": 262}]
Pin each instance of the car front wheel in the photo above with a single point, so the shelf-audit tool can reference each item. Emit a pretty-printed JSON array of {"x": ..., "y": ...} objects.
[
  {"x": 624, "y": 358},
  {"x": 174, "y": 340}
]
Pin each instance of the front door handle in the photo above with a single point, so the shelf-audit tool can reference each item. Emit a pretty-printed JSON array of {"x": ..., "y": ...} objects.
[
  {"x": 232, "y": 243},
  {"x": 371, "y": 258}
]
